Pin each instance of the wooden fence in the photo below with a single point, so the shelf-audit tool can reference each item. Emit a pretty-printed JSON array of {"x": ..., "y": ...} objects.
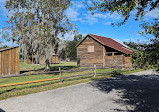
[{"x": 60, "y": 76}]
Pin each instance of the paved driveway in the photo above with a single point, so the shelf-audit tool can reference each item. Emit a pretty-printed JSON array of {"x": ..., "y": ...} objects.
[{"x": 134, "y": 92}]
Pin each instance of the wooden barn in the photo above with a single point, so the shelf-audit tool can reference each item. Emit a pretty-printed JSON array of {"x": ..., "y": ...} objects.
[
  {"x": 9, "y": 61},
  {"x": 102, "y": 52},
  {"x": 41, "y": 60}
]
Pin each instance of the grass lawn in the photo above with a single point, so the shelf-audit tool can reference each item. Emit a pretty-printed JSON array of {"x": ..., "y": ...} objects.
[
  {"x": 33, "y": 68},
  {"x": 64, "y": 66},
  {"x": 7, "y": 92}
]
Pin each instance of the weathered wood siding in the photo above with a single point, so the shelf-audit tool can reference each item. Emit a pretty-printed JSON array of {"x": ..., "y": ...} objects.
[
  {"x": 9, "y": 61},
  {"x": 42, "y": 60},
  {"x": 127, "y": 61},
  {"x": 85, "y": 58},
  {"x": 118, "y": 60},
  {"x": 113, "y": 61},
  {"x": 52, "y": 60},
  {"x": 55, "y": 59}
]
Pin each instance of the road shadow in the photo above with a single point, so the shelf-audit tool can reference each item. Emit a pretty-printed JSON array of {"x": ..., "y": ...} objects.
[
  {"x": 1, "y": 110},
  {"x": 142, "y": 92}
]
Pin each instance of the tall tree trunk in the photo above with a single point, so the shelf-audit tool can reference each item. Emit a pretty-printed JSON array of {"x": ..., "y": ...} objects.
[{"x": 47, "y": 65}]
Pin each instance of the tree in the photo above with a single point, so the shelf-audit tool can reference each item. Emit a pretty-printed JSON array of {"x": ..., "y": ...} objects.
[
  {"x": 126, "y": 7},
  {"x": 70, "y": 49},
  {"x": 37, "y": 25},
  {"x": 4, "y": 46},
  {"x": 140, "y": 8},
  {"x": 145, "y": 55}
]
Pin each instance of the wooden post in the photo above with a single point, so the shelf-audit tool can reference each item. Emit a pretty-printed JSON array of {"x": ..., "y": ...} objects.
[
  {"x": 95, "y": 71},
  {"x": 60, "y": 75}
]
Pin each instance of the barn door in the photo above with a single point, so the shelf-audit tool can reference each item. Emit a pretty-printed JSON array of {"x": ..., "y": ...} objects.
[{"x": 113, "y": 61}]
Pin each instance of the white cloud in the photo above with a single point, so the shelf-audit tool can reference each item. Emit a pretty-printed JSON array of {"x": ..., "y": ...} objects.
[
  {"x": 78, "y": 13},
  {"x": 3, "y": 10},
  {"x": 78, "y": 4},
  {"x": 97, "y": 15},
  {"x": 72, "y": 14},
  {"x": 89, "y": 18},
  {"x": 2, "y": 1},
  {"x": 114, "y": 16},
  {"x": 11, "y": 44},
  {"x": 107, "y": 23},
  {"x": 153, "y": 14},
  {"x": 106, "y": 19}
]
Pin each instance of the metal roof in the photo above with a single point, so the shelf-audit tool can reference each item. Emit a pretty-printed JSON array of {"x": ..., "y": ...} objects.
[{"x": 110, "y": 43}]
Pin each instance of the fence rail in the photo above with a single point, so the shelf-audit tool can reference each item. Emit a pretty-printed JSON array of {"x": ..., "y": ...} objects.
[
  {"x": 60, "y": 76},
  {"x": 52, "y": 72}
]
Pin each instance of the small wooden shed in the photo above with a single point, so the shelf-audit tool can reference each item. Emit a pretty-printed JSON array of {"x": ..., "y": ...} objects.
[
  {"x": 9, "y": 61},
  {"x": 102, "y": 52},
  {"x": 34, "y": 60}
]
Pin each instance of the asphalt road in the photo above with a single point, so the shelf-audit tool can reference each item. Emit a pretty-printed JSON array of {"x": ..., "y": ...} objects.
[{"x": 134, "y": 92}]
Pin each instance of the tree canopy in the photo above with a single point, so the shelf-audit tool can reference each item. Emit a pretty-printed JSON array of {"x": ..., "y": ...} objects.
[
  {"x": 70, "y": 50},
  {"x": 38, "y": 25},
  {"x": 4, "y": 46},
  {"x": 144, "y": 53}
]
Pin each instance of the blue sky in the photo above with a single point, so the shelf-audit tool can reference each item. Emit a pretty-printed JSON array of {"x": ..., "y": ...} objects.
[{"x": 96, "y": 24}]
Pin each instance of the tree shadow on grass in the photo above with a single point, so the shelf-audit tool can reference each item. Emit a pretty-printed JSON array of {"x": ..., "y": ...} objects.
[
  {"x": 141, "y": 92},
  {"x": 5, "y": 91},
  {"x": 56, "y": 68},
  {"x": 52, "y": 68},
  {"x": 24, "y": 71}
]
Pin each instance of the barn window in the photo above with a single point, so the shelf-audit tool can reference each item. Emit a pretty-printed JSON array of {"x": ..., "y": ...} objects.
[{"x": 90, "y": 48}]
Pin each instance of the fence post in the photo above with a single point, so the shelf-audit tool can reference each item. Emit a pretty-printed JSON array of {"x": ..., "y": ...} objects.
[
  {"x": 94, "y": 71},
  {"x": 60, "y": 75}
]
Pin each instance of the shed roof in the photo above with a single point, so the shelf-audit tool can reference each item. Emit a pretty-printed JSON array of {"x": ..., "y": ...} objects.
[
  {"x": 8, "y": 48},
  {"x": 110, "y": 43}
]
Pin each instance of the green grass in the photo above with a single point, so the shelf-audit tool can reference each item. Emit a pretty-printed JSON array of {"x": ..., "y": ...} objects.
[
  {"x": 46, "y": 76},
  {"x": 65, "y": 65},
  {"x": 13, "y": 91},
  {"x": 35, "y": 68},
  {"x": 7, "y": 92}
]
